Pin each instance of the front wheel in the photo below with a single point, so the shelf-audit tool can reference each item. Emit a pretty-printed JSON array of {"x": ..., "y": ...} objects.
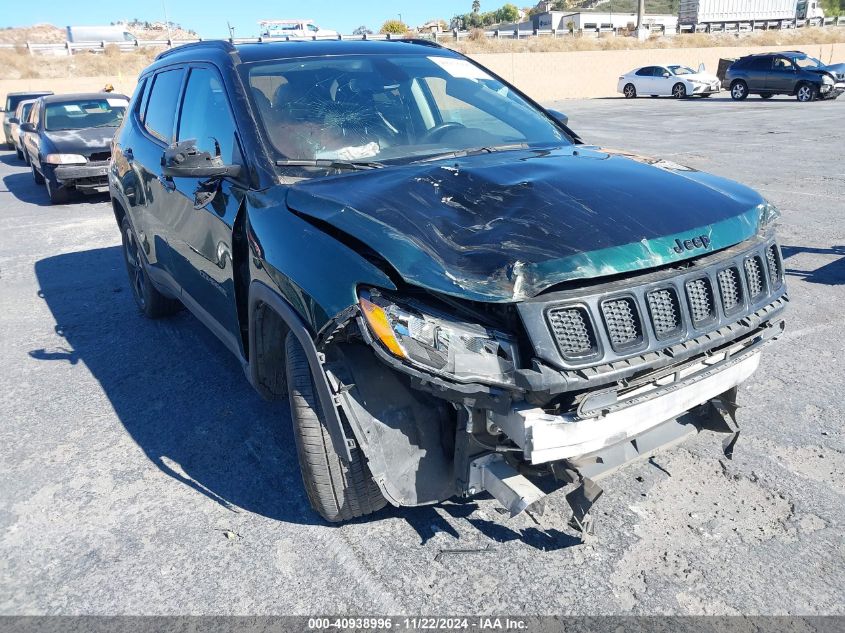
[
  {"x": 739, "y": 90},
  {"x": 630, "y": 91},
  {"x": 36, "y": 176},
  {"x": 151, "y": 303},
  {"x": 338, "y": 491},
  {"x": 679, "y": 91},
  {"x": 806, "y": 92},
  {"x": 57, "y": 193}
]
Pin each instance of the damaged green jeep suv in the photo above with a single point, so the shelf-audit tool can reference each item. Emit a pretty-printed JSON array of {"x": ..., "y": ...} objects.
[{"x": 455, "y": 293}]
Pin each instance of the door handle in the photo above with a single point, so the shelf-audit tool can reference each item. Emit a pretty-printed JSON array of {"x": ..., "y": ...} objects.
[{"x": 167, "y": 182}]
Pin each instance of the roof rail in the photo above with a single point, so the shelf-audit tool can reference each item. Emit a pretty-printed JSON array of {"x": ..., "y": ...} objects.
[
  {"x": 226, "y": 45},
  {"x": 420, "y": 41}
]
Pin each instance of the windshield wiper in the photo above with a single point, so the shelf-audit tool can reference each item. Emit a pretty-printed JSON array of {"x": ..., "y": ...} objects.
[
  {"x": 353, "y": 165},
  {"x": 461, "y": 153}
]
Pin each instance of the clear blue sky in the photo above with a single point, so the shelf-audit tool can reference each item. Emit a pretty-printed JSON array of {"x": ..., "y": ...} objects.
[{"x": 208, "y": 17}]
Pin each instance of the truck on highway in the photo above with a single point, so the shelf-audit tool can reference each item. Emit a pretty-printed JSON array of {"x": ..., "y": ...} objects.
[
  {"x": 293, "y": 28},
  {"x": 108, "y": 33},
  {"x": 704, "y": 12}
]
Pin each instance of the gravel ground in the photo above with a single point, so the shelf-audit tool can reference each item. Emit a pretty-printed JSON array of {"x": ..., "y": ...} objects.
[{"x": 139, "y": 474}]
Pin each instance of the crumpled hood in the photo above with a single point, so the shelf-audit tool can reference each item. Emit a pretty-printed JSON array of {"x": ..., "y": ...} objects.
[
  {"x": 85, "y": 141},
  {"x": 837, "y": 70},
  {"x": 506, "y": 226}
]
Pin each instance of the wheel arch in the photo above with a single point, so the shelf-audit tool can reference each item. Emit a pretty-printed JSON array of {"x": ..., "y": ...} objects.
[
  {"x": 265, "y": 303},
  {"x": 118, "y": 210}
]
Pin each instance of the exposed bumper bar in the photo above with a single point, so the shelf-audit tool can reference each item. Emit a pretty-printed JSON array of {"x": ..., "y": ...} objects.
[
  {"x": 74, "y": 172},
  {"x": 545, "y": 438}
]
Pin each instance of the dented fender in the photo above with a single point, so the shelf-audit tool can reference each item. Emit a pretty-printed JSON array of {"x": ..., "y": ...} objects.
[{"x": 315, "y": 273}]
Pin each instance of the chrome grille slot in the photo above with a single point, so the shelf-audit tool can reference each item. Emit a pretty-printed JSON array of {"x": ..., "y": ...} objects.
[
  {"x": 573, "y": 332},
  {"x": 665, "y": 311},
  {"x": 755, "y": 277},
  {"x": 730, "y": 289},
  {"x": 700, "y": 297},
  {"x": 623, "y": 322},
  {"x": 774, "y": 264}
]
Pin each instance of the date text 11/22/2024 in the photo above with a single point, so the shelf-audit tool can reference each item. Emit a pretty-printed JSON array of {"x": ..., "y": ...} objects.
[{"x": 419, "y": 623}]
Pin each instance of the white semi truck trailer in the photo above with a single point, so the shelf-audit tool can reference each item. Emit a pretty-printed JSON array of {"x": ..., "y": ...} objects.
[{"x": 704, "y": 12}]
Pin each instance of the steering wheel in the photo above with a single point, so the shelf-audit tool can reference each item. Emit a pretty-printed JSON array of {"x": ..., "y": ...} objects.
[{"x": 438, "y": 130}]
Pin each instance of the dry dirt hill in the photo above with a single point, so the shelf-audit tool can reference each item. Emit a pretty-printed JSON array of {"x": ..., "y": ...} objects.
[{"x": 48, "y": 34}]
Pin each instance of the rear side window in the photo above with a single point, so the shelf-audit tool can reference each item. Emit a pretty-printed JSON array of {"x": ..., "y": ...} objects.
[
  {"x": 139, "y": 99},
  {"x": 645, "y": 72},
  {"x": 161, "y": 106},
  {"x": 761, "y": 63},
  {"x": 207, "y": 117}
]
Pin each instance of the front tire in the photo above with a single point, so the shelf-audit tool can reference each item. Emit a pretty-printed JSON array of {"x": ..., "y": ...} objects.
[
  {"x": 679, "y": 91},
  {"x": 630, "y": 91},
  {"x": 739, "y": 90},
  {"x": 36, "y": 176},
  {"x": 806, "y": 93},
  {"x": 337, "y": 491},
  {"x": 151, "y": 303},
  {"x": 57, "y": 193}
]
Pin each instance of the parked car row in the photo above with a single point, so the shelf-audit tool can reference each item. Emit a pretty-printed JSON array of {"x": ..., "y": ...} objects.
[
  {"x": 767, "y": 74},
  {"x": 65, "y": 139}
]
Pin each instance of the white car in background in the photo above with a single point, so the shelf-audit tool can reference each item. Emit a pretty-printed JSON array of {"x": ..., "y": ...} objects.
[{"x": 673, "y": 80}]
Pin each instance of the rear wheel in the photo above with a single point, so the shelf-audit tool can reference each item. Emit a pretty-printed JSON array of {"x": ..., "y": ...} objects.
[
  {"x": 19, "y": 153},
  {"x": 149, "y": 300},
  {"x": 630, "y": 91},
  {"x": 679, "y": 91},
  {"x": 337, "y": 491},
  {"x": 806, "y": 92},
  {"x": 739, "y": 90}
]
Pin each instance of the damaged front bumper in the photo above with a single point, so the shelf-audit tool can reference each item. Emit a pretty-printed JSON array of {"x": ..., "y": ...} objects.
[
  {"x": 546, "y": 438},
  {"x": 89, "y": 178},
  {"x": 571, "y": 417}
]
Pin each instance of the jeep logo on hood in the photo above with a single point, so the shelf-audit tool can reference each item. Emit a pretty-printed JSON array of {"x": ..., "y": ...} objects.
[{"x": 702, "y": 241}]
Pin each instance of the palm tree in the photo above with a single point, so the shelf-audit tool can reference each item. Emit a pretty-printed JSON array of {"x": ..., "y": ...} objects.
[{"x": 476, "y": 6}]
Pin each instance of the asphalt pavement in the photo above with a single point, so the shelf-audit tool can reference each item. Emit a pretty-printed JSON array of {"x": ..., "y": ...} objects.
[{"x": 140, "y": 474}]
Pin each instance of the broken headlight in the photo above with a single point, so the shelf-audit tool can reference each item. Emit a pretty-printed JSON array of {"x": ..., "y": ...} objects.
[
  {"x": 437, "y": 342},
  {"x": 768, "y": 214}
]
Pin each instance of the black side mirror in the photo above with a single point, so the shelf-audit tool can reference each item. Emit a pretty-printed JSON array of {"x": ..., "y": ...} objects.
[
  {"x": 563, "y": 121},
  {"x": 27, "y": 127},
  {"x": 13, "y": 119},
  {"x": 184, "y": 160},
  {"x": 558, "y": 116}
]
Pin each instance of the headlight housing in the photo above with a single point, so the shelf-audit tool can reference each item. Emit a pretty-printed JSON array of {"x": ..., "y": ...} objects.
[
  {"x": 438, "y": 343},
  {"x": 827, "y": 80},
  {"x": 768, "y": 214},
  {"x": 65, "y": 159}
]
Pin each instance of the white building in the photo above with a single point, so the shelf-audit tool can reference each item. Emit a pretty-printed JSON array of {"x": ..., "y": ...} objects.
[{"x": 593, "y": 21}]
